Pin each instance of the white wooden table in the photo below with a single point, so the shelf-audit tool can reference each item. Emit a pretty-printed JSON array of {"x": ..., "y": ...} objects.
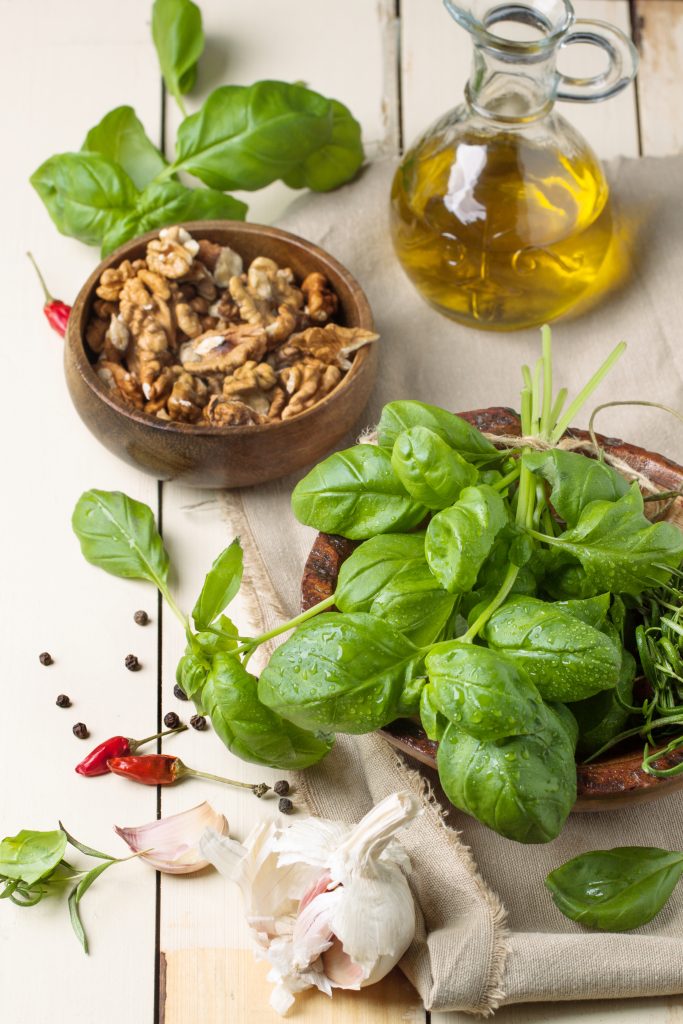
[{"x": 175, "y": 949}]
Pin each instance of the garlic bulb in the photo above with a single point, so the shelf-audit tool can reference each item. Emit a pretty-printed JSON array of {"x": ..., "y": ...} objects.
[
  {"x": 329, "y": 903},
  {"x": 171, "y": 844}
]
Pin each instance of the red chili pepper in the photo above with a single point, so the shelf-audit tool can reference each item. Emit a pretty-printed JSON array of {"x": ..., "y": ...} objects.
[
  {"x": 118, "y": 746},
  {"x": 164, "y": 770},
  {"x": 56, "y": 311}
]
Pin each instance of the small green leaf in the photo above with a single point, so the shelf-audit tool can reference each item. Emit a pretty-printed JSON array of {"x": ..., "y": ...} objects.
[
  {"x": 75, "y": 916},
  {"x": 87, "y": 850},
  {"x": 456, "y": 432},
  {"x": 121, "y": 138},
  {"x": 459, "y": 539},
  {"x": 179, "y": 40},
  {"x": 220, "y": 586},
  {"x": 30, "y": 856},
  {"x": 429, "y": 469},
  {"x": 576, "y": 480}
]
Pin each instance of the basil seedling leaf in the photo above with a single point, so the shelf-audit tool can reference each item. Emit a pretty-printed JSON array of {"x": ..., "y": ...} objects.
[
  {"x": 429, "y": 469},
  {"x": 120, "y": 536},
  {"x": 459, "y": 539},
  {"x": 356, "y": 493},
  {"x": 251, "y": 730},
  {"x": 341, "y": 673},
  {"x": 615, "y": 890},
  {"x": 455, "y": 431},
  {"x": 121, "y": 138},
  {"x": 85, "y": 194},
  {"x": 30, "y": 856},
  {"x": 220, "y": 586},
  {"x": 575, "y": 480},
  {"x": 249, "y": 136},
  {"x": 179, "y": 40}
]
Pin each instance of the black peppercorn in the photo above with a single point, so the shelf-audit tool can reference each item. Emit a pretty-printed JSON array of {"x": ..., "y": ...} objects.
[
  {"x": 141, "y": 617},
  {"x": 285, "y": 805},
  {"x": 132, "y": 663},
  {"x": 45, "y": 658},
  {"x": 198, "y": 722},
  {"x": 171, "y": 720},
  {"x": 179, "y": 692},
  {"x": 81, "y": 730},
  {"x": 281, "y": 787},
  {"x": 63, "y": 701}
]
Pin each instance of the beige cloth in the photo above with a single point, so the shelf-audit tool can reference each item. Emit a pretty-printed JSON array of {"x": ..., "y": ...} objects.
[{"x": 491, "y": 933}]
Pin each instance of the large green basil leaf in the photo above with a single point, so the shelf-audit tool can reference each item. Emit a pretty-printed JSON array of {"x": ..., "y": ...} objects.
[
  {"x": 429, "y": 469},
  {"x": 120, "y": 536},
  {"x": 481, "y": 691},
  {"x": 603, "y": 716},
  {"x": 30, "y": 856},
  {"x": 341, "y": 673},
  {"x": 522, "y": 786},
  {"x": 179, "y": 40},
  {"x": 619, "y": 549},
  {"x": 356, "y": 493},
  {"x": 459, "y": 539},
  {"x": 576, "y": 480},
  {"x": 220, "y": 586},
  {"x": 456, "y": 432},
  {"x": 615, "y": 890},
  {"x": 247, "y": 137},
  {"x": 248, "y": 728},
  {"x": 168, "y": 202},
  {"x": 120, "y": 137},
  {"x": 566, "y": 658},
  {"x": 85, "y": 194},
  {"x": 388, "y": 577}
]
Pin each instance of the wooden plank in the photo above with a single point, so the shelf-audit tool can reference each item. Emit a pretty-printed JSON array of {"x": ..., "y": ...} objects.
[
  {"x": 660, "y": 32},
  {"x": 436, "y": 59},
  {"x": 64, "y": 69}
]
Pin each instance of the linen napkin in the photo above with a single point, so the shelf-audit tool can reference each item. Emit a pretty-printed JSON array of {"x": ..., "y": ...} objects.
[{"x": 490, "y": 933}]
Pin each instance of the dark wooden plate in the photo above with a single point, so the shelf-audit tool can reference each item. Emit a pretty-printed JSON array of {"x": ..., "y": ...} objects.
[{"x": 610, "y": 782}]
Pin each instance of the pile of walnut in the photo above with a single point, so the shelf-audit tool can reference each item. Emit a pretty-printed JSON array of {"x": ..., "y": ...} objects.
[{"x": 186, "y": 335}]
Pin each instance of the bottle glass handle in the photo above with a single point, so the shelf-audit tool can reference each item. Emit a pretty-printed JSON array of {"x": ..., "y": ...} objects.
[{"x": 622, "y": 67}]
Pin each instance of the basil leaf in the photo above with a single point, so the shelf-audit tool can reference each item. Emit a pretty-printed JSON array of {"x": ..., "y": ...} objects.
[
  {"x": 433, "y": 721},
  {"x": 340, "y": 673},
  {"x": 482, "y": 692},
  {"x": 121, "y": 138},
  {"x": 30, "y": 856},
  {"x": 456, "y": 432},
  {"x": 615, "y": 890},
  {"x": 355, "y": 493},
  {"x": 248, "y": 728},
  {"x": 210, "y": 644},
  {"x": 120, "y": 536},
  {"x": 220, "y": 586},
  {"x": 603, "y": 716},
  {"x": 85, "y": 194},
  {"x": 522, "y": 787},
  {"x": 591, "y": 610},
  {"x": 169, "y": 202},
  {"x": 249, "y": 136},
  {"x": 619, "y": 549},
  {"x": 191, "y": 674},
  {"x": 388, "y": 577},
  {"x": 459, "y": 539},
  {"x": 431, "y": 471},
  {"x": 576, "y": 480},
  {"x": 566, "y": 658},
  {"x": 179, "y": 40},
  {"x": 567, "y": 719}
]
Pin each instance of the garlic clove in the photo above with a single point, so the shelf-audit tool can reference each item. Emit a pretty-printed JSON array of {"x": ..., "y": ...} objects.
[{"x": 171, "y": 845}]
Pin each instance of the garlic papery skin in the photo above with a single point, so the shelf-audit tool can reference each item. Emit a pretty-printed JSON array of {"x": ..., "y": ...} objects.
[
  {"x": 171, "y": 845},
  {"x": 329, "y": 903}
]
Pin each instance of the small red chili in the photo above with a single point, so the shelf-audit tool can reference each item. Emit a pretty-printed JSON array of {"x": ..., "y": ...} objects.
[
  {"x": 164, "y": 770},
  {"x": 118, "y": 746},
  {"x": 56, "y": 311}
]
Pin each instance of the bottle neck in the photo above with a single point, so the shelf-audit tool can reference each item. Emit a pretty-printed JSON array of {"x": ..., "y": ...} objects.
[{"x": 511, "y": 92}]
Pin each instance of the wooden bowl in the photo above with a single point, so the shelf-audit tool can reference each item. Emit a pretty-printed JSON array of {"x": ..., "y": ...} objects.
[
  {"x": 615, "y": 780},
  {"x": 207, "y": 456}
]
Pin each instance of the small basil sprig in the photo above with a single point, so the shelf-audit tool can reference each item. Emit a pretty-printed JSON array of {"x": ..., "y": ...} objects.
[
  {"x": 615, "y": 890},
  {"x": 222, "y": 583},
  {"x": 179, "y": 40}
]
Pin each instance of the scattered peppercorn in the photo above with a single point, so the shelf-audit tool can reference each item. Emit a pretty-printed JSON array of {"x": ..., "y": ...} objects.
[
  {"x": 179, "y": 692},
  {"x": 81, "y": 730},
  {"x": 141, "y": 617},
  {"x": 171, "y": 720},
  {"x": 132, "y": 663},
  {"x": 45, "y": 658},
  {"x": 260, "y": 789},
  {"x": 63, "y": 701},
  {"x": 281, "y": 787},
  {"x": 198, "y": 722},
  {"x": 285, "y": 805}
]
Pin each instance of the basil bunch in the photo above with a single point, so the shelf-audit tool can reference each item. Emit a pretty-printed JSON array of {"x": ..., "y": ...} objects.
[{"x": 119, "y": 185}]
